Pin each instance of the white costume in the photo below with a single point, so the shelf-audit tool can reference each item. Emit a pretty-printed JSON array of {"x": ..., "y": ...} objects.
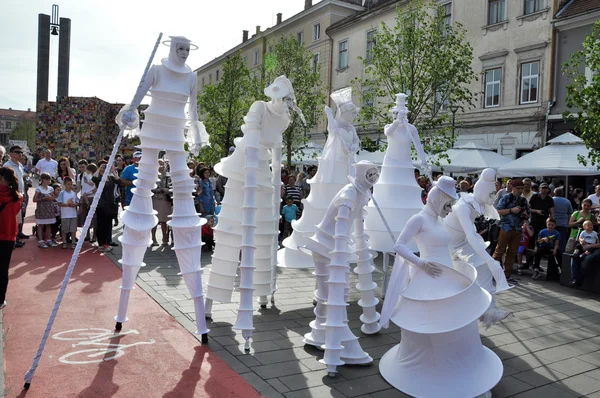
[
  {"x": 332, "y": 254},
  {"x": 335, "y": 165},
  {"x": 397, "y": 181},
  {"x": 440, "y": 354},
  {"x": 250, "y": 214},
  {"x": 469, "y": 246},
  {"x": 171, "y": 85}
]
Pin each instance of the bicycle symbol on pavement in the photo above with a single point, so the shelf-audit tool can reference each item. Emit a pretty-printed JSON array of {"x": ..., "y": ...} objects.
[{"x": 103, "y": 341}]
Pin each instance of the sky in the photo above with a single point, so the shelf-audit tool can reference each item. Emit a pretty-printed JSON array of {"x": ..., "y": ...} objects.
[{"x": 111, "y": 40}]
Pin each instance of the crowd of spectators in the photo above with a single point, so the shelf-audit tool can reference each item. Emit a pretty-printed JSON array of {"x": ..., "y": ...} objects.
[{"x": 539, "y": 219}]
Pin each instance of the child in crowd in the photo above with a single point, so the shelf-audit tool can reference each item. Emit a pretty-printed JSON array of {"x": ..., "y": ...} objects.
[
  {"x": 548, "y": 241},
  {"x": 525, "y": 238},
  {"x": 56, "y": 227},
  {"x": 587, "y": 237},
  {"x": 87, "y": 190},
  {"x": 67, "y": 201},
  {"x": 45, "y": 215},
  {"x": 289, "y": 213},
  {"x": 208, "y": 236}
]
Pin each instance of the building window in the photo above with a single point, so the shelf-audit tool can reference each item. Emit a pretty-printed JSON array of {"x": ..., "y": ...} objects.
[
  {"x": 441, "y": 99},
  {"x": 317, "y": 32},
  {"x": 245, "y": 60},
  {"x": 496, "y": 11},
  {"x": 530, "y": 75},
  {"x": 202, "y": 82},
  {"x": 217, "y": 76},
  {"x": 315, "y": 62},
  {"x": 210, "y": 78},
  {"x": 343, "y": 54},
  {"x": 8, "y": 125},
  {"x": 370, "y": 45},
  {"x": 255, "y": 57},
  {"x": 492, "y": 87},
  {"x": 446, "y": 11},
  {"x": 589, "y": 75},
  {"x": 300, "y": 37},
  {"x": 532, "y": 6}
]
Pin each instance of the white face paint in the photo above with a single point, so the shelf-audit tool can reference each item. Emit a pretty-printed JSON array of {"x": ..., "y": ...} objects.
[
  {"x": 182, "y": 51},
  {"x": 349, "y": 115},
  {"x": 372, "y": 175},
  {"x": 447, "y": 208}
]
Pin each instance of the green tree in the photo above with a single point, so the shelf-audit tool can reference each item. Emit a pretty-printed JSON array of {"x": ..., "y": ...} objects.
[
  {"x": 223, "y": 106},
  {"x": 428, "y": 59},
  {"x": 293, "y": 60},
  {"x": 24, "y": 131},
  {"x": 583, "y": 93}
]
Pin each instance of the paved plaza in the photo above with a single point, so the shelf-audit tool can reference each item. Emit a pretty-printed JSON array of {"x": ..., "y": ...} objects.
[{"x": 550, "y": 346}]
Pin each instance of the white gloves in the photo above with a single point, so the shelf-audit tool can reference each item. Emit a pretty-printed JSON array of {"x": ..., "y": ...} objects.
[
  {"x": 431, "y": 268},
  {"x": 129, "y": 119},
  {"x": 197, "y": 137}
]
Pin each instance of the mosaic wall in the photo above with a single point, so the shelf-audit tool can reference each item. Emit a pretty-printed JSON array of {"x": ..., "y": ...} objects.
[{"x": 80, "y": 128}]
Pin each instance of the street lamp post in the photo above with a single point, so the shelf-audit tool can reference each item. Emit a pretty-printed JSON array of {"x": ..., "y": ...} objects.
[{"x": 453, "y": 109}]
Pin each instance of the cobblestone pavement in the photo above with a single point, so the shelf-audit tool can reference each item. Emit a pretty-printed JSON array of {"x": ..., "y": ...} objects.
[{"x": 550, "y": 347}]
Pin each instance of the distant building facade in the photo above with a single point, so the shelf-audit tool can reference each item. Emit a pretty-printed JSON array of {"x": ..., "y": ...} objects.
[
  {"x": 514, "y": 47},
  {"x": 572, "y": 23},
  {"x": 10, "y": 118}
]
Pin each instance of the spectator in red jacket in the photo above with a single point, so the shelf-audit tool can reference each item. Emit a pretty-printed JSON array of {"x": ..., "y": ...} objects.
[{"x": 10, "y": 206}]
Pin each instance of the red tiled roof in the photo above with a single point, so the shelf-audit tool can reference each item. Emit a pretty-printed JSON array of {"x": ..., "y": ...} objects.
[
  {"x": 28, "y": 115},
  {"x": 577, "y": 7}
]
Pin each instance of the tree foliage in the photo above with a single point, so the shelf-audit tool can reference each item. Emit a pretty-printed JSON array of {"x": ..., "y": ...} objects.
[
  {"x": 24, "y": 131},
  {"x": 293, "y": 60},
  {"x": 223, "y": 106},
  {"x": 583, "y": 93},
  {"x": 426, "y": 58}
]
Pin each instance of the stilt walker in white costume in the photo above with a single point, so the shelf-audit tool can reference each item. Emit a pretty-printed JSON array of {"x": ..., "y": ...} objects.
[
  {"x": 397, "y": 193},
  {"x": 469, "y": 246},
  {"x": 437, "y": 308},
  {"x": 171, "y": 85},
  {"x": 249, "y": 218},
  {"x": 335, "y": 165},
  {"x": 332, "y": 254}
]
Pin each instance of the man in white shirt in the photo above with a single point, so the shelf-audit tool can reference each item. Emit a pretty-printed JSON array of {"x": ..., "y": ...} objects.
[
  {"x": 527, "y": 192},
  {"x": 16, "y": 153},
  {"x": 2, "y": 153},
  {"x": 595, "y": 197},
  {"x": 47, "y": 164}
]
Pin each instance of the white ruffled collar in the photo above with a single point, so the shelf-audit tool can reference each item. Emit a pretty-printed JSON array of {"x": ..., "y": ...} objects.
[
  {"x": 175, "y": 67},
  {"x": 486, "y": 210}
]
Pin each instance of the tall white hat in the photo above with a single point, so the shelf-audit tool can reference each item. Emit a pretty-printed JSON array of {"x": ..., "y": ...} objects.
[
  {"x": 400, "y": 105},
  {"x": 343, "y": 99}
]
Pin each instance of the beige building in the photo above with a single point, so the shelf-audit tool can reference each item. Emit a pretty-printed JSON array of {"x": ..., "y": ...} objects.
[
  {"x": 512, "y": 42},
  {"x": 9, "y": 118},
  {"x": 307, "y": 26}
]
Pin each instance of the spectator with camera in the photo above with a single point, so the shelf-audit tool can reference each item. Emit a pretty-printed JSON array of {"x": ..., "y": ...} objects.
[
  {"x": 542, "y": 208},
  {"x": 513, "y": 209}
]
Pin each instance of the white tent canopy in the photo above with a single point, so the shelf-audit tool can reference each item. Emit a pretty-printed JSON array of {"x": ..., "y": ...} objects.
[
  {"x": 470, "y": 158},
  {"x": 309, "y": 154},
  {"x": 558, "y": 158}
]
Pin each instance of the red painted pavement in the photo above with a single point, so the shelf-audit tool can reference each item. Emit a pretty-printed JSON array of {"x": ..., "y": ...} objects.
[{"x": 157, "y": 356}]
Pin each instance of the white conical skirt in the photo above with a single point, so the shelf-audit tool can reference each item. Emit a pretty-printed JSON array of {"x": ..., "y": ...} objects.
[
  {"x": 442, "y": 304},
  {"x": 399, "y": 198},
  {"x": 449, "y": 365}
]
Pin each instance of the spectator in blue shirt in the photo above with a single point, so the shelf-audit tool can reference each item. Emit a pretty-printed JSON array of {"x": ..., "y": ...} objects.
[
  {"x": 562, "y": 212},
  {"x": 289, "y": 213},
  {"x": 128, "y": 176},
  {"x": 547, "y": 242},
  {"x": 513, "y": 209}
]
